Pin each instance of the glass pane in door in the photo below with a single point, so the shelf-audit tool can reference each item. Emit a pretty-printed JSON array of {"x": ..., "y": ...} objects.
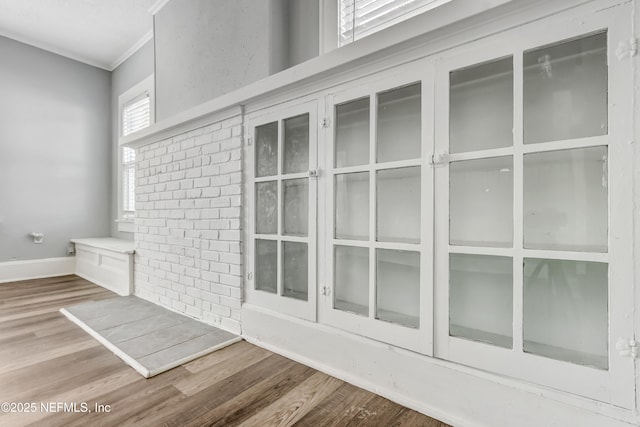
[
  {"x": 266, "y": 265},
  {"x": 481, "y": 202},
  {"x": 398, "y": 287},
  {"x": 565, "y": 200},
  {"x": 296, "y": 144},
  {"x": 267, "y": 149},
  {"x": 351, "y": 279},
  {"x": 352, "y": 133},
  {"x": 398, "y": 205},
  {"x": 267, "y": 207},
  {"x": 481, "y": 298},
  {"x": 481, "y": 107},
  {"x": 295, "y": 209},
  {"x": 565, "y": 90},
  {"x": 295, "y": 270},
  {"x": 352, "y": 206},
  {"x": 565, "y": 310},
  {"x": 398, "y": 125}
]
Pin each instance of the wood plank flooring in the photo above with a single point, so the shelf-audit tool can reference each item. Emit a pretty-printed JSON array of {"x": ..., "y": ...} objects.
[{"x": 48, "y": 361}]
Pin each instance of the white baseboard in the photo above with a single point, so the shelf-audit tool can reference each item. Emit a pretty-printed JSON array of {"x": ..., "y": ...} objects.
[
  {"x": 13, "y": 271},
  {"x": 457, "y": 395}
]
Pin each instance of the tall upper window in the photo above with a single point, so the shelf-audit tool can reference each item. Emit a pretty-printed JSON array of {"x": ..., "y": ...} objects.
[
  {"x": 136, "y": 113},
  {"x": 360, "y": 18}
]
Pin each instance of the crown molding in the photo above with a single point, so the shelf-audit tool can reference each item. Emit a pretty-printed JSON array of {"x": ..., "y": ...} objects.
[
  {"x": 133, "y": 49},
  {"x": 55, "y": 50}
]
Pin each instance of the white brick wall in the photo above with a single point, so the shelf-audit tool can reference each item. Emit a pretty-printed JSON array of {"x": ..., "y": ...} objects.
[{"x": 188, "y": 204}]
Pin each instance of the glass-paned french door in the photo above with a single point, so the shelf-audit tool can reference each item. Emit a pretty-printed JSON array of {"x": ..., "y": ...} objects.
[
  {"x": 475, "y": 206},
  {"x": 530, "y": 246},
  {"x": 282, "y": 223},
  {"x": 379, "y": 183}
]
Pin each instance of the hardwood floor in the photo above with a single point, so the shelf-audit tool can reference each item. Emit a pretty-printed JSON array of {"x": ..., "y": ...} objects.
[{"x": 46, "y": 362}]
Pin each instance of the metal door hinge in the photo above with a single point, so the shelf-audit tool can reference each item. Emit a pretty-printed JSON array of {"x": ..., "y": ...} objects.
[
  {"x": 627, "y": 49},
  {"x": 314, "y": 173},
  {"x": 325, "y": 290},
  {"x": 249, "y": 140},
  {"x": 324, "y": 123},
  {"x": 627, "y": 348}
]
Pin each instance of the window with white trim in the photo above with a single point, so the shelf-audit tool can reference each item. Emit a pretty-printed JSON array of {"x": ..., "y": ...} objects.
[
  {"x": 136, "y": 113},
  {"x": 360, "y": 18}
]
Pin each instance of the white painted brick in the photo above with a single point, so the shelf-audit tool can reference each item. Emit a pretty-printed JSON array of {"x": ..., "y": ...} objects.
[
  {"x": 233, "y": 189},
  {"x": 221, "y": 311},
  {"x": 230, "y": 280},
  {"x": 222, "y": 134},
  {"x": 231, "y": 166},
  {"x": 210, "y": 276},
  {"x": 201, "y": 182},
  {"x": 188, "y": 200},
  {"x": 211, "y": 148},
  {"x": 211, "y": 192},
  {"x": 194, "y": 173},
  {"x": 194, "y": 312}
]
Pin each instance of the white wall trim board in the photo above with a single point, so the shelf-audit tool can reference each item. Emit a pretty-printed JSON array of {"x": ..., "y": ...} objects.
[
  {"x": 425, "y": 384},
  {"x": 318, "y": 67},
  {"x": 179, "y": 124},
  {"x": 55, "y": 50},
  {"x": 416, "y": 38},
  {"x": 133, "y": 49},
  {"x": 364, "y": 384},
  {"x": 13, "y": 271}
]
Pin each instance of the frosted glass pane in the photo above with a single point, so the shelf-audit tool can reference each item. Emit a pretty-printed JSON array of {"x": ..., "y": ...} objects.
[
  {"x": 398, "y": 205},
  {"x": 352, "y": 206},
  {"x": 267, "y": 207},
  {"x": 481, "y": 298},
  {"x": 352, "y": 133},
  {"x": 267, "y": 149},
  {"x": 481, "y": 107},
  {"x": 295, "y": 270},
  {"x": 565, "y": 310},
  {"x": 398, "y": 287},
  {"x": 296, "y": 144},
  {"x": 295, "y": 212},
  {"x": 565, "y": 200},
  {"x": 399, "y": 124},
  {"x": 266, "y": 265},
  {"x": 351, "y": 279},
  {"x": 481, "y": 202},
  {"x": 565, "y": 90}
]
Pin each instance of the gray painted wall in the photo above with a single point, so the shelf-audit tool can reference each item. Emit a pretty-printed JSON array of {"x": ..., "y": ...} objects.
[
  {"x": 55, "y": 151},
  {"x": 128, "y": 74},
  {"x": 205, "y": 48},
  {"x": 303, "y": 38}
]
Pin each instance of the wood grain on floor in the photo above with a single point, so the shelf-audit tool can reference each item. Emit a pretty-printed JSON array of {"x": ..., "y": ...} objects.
[{"x": 48, "y": 361}]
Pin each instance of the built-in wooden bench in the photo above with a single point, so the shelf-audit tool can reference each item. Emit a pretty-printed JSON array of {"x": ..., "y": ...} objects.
[{"x": 107, "y": 262}]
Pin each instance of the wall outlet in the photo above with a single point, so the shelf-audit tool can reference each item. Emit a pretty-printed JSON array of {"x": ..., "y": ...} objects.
[{"x": 37, "y": 237}]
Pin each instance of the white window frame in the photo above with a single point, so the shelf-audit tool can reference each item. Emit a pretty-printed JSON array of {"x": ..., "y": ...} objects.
[
  {"x": 414, "y": 24},
  {"x": 125, "y": 218},
  {"x": 388, "y": 22}
]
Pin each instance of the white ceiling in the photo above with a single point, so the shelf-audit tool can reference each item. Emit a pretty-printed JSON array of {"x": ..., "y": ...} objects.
[{"x": 102, "y": 33}]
